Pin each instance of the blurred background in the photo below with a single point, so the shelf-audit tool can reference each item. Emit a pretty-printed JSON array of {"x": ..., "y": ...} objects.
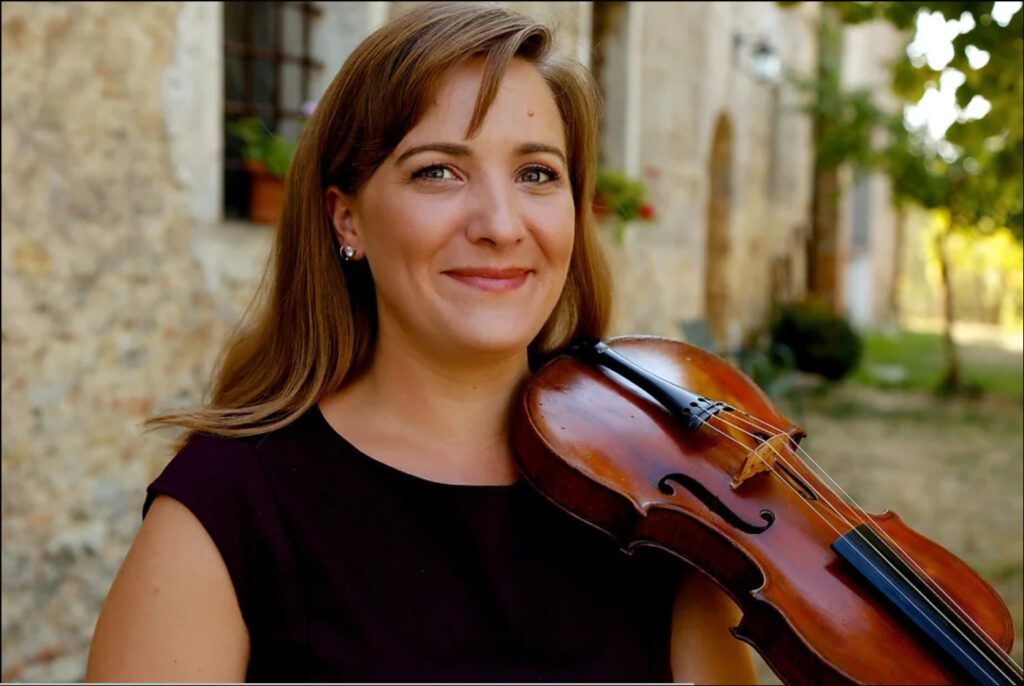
[{"x": 827, "y": 194}]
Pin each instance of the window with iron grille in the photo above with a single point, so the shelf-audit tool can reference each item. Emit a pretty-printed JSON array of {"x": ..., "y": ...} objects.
[{"x": 267, "y": 74}]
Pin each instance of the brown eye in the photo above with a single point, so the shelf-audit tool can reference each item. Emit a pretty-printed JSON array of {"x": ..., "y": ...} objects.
[
  {"x": 538, "y": 174},
  {"x": 434, "y": 172}
]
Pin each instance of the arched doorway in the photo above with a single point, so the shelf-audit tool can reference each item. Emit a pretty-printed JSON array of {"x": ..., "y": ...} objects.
[{"x": 716, "y": 259}]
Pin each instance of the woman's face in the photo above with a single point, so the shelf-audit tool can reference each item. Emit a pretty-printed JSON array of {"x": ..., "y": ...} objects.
[{"x": 469, "y": 240}]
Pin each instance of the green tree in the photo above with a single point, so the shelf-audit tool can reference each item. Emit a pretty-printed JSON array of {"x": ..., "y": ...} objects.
[{"x": 977, "y": 172}]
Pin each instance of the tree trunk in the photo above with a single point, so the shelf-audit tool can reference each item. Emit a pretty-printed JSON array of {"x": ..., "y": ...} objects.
[
  {"x": 823, "y": 277},
  {"x": 823, "y": 255},
  {"x": 951, "y": 377}
]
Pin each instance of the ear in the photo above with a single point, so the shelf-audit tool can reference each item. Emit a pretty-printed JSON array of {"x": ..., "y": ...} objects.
[{"x": 341, "y": 212}]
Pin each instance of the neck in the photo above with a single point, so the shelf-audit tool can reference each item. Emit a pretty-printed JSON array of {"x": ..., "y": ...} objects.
[
  {"x": 454, "y": 407},
  {"x": 448, "y": 400}
]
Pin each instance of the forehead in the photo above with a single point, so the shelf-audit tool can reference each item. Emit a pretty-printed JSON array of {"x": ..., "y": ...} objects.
[{"x": 523, "y": 108}]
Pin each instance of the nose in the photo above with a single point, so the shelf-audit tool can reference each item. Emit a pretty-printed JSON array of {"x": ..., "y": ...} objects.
[{"x": 497, "y": 216}]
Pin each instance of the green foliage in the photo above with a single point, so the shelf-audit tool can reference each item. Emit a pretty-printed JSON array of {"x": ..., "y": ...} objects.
[
  {"x": 843, "y": 120},
  {"x": 902, "y": 359},
  {"x": 621, "y": 197},
  {"x": 263, "y": 146},
  {"x": 845, "y": 123},
  {"x": 981, "y": 191},
  {"x": 982, "y": 182},
  {"x": 918, "y": 356},
  {"x": 988, "y": 271},
  {"x": 821, "y": 341}
]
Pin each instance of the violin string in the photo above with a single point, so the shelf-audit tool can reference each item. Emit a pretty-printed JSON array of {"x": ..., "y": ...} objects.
[
  {"x": 997, "y": 667},
  {"x": 862, "y": 514},
  {"x": 983, "y": 635},
  {"x": 869, "y": 562},
  {"x": 865, "y": 518}
]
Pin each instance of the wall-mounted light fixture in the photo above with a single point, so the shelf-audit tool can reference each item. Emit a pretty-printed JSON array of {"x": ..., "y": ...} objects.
[{"x": 757, "y": 56}]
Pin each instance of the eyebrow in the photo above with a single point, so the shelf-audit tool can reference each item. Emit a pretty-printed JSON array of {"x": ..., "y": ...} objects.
[{"x": 459, "y": 150}]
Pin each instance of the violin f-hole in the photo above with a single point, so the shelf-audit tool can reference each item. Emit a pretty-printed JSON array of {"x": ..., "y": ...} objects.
[{"x": 714, "y": 504}]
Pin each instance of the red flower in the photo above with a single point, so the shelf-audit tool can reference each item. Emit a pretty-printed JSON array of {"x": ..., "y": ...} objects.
[{"x": 646, "y": 211}]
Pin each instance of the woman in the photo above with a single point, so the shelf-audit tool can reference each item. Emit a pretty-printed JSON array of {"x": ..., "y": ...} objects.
[{"x": 347, "y": 507}]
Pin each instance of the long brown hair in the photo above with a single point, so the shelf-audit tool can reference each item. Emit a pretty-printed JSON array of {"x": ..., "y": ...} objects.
[{"x": 312, "y": 322}]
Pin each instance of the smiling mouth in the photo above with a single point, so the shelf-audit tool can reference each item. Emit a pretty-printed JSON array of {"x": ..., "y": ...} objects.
[{"x": 491, "y": 280}]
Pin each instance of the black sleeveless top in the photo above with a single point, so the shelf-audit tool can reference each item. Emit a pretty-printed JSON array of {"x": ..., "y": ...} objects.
[{"x": 347, "y": 569}]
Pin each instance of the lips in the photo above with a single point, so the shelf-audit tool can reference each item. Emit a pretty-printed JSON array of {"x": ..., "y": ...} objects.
[{"x": 495, "y": 280}]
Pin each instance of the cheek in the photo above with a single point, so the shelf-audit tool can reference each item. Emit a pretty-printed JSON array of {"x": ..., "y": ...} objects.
[
  {"x": 402, "y": 231},
  {"x": 559, "y": 233}
]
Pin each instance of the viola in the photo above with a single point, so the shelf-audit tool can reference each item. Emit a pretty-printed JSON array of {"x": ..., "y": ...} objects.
[{"x": 660, "y": 443}]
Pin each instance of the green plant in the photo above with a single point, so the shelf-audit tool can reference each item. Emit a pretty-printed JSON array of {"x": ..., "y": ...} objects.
[
  {"x": 621, "y": 197},
  {"x": 989, "y": 367},
  {"x": 821, "y": 341},
  {"x": 261, "y": 145}
]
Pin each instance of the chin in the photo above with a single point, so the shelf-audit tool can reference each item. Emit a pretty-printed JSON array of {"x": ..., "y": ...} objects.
[
  {"x": 494, "y": 339},
  {"x": 502, "y": 329}
]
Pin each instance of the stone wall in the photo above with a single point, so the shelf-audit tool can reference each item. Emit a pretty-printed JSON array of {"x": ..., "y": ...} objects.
[
  {"x": 690, "y": 80},
  {"x": 106, "y": 317}
]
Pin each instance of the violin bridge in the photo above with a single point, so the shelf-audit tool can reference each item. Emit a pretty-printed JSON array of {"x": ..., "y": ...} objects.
[{"x": 760, "y": 459}]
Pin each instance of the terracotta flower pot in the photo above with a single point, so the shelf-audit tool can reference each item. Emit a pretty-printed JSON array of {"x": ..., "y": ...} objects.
[{"x": 266, "y": 192}]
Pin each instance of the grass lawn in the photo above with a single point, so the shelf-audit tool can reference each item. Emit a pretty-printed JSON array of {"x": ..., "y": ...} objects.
[{"x": 915, "y": 360}]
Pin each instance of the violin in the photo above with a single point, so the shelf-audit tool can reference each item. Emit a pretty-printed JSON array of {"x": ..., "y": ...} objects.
[{"x": 659, "y": 443}]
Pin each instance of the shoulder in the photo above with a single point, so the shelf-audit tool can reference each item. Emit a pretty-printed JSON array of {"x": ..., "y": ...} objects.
[
  {"x": 207, "y": 466},
  {"x": 219, "y": 466},
  {"x": 222, "y": 483},
  {"x": 217, "y": 453},
  {"x": 173, "y": 612}
]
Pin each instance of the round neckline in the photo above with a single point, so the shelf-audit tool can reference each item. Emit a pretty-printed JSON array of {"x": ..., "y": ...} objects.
[{"x": 337, "y": 437}]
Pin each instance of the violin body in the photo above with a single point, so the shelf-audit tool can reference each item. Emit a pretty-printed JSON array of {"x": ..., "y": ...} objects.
[{"x": 734, "y": 500}]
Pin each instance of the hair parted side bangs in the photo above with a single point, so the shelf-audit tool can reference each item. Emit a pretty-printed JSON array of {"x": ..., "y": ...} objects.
[{"x": 312, "y": 322}]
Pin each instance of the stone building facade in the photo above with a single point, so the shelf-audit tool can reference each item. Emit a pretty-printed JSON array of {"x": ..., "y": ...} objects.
[{"x": 121, "y": 276}]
